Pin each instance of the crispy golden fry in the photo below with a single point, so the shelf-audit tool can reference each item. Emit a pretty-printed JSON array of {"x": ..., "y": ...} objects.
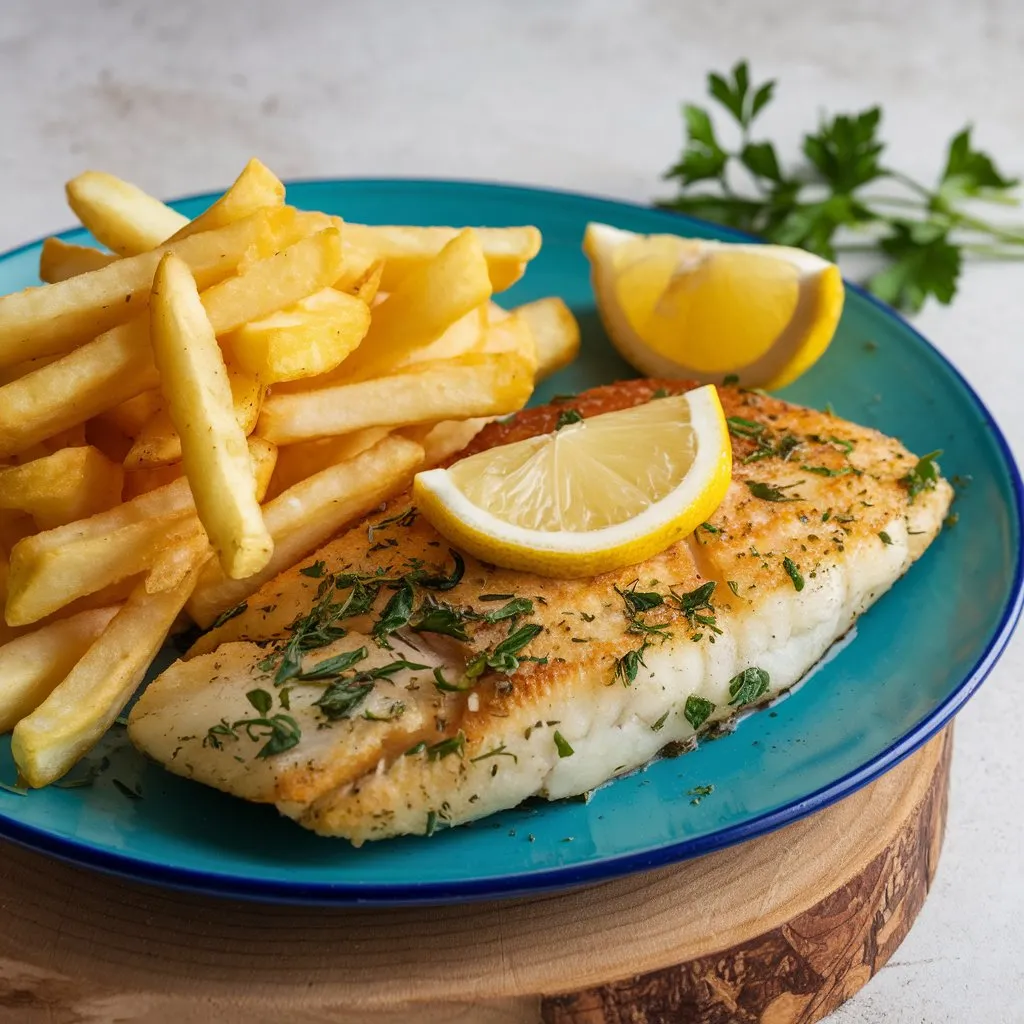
[
  {"x": 194, "y": 382},
  {"x": 485, "y": 384},
  {"x": 264, "y": 461},
  {"x": 424, "y": 305},
  {"x": 254, "y": 189},
  {"x": 118, "y": 365},
  {"x": 56, "y": 317},
  {"x": 405, "y": 249},
  {"x": 511, "y": 334},
  {"x": 18, "y": 370},
  {"x": 369, "y": 287},
  {"x": 32, "y": 665},
  {"x": 170, "y": 567},
  {"x": 297, "y": 461},
  {"x": 306, "y": 515},
  {"x": 309, "y": 338},
  {"x": 82, "y": 706},
  {"x": 43, "y": 580},
  {"x": 158, "y": 444},
  {"x": 70, "y": 484},
  {"x": 120, "y": 215},
  {"x": 464, "y": 336},
  {"x": 555, "y": 332},
  {"x": 59, "y": 260},
  {"x": 440, "y": 441},
  {"x": 132, "y": 415},
  {"x": 149, "y": 478}
]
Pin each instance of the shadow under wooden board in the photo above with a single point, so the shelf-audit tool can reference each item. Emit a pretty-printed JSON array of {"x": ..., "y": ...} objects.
[{"x": 779, "y": 930}]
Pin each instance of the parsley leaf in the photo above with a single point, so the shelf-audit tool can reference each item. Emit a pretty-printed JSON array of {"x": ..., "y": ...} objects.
[
  {"x": 566, "y": 418},
  {"x": 923, "y": 477},
  {"x": 748, "y": 686},
  {"x": 697, "y": 710}
]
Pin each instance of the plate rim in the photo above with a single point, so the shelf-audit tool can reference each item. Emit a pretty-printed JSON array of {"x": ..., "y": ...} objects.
[{"x": 211, "y": 883}]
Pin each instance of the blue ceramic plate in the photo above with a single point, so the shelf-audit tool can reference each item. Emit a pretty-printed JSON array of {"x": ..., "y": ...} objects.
[{"x": 916, "y": 657}]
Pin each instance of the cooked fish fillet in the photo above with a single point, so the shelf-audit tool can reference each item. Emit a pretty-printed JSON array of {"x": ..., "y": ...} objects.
[{"x": 817, "y": 524}]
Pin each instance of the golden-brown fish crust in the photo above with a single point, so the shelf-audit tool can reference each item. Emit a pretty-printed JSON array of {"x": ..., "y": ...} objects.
[{"x": 817, "y": 523}]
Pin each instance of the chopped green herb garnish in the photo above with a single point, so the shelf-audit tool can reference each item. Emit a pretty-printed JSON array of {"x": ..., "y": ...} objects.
[
  {"x": 740, "y": 427},
  {"x": 260, "y": 700},
  {"x": 884, "y": 537},
  {"x": 396, "y": 710},
  {"x": 343, "y": 697},
  {"x": 395, "y": 615},
  {"x": 436, "y": 617},
  {"x": 448, "y": 582},
  {"x": 734, "y": 587},
  {"x": 230, "y": 614},
  {"x": 659, "y": 393},
  {"x": 660, "y": 723},
  {"x": 951, "y": 520},
  {"x": 793, "y": 571},
  {"x": 496, "y": 752},
  {"x": 331, "y": 667},
  {"x": 453, "y": 745},
  {"x": 748, "y": 686},
  {"x": 566, "y": 418},
  {"x": 697, "y": 710},
  {"x": 431, "y": 823},
  {"x": 768, "y": 492},
  {"x": 924, "y": 476},
  {"x": 446, "y": 687},
  {"x": 316, "y": 570},
  {"x": 517, "y": 606},
  {"x": 494, "y": 597},
  {"x": 828, "y": 471},
  {"x": 562, "y": 745},
  {"x": 698, "y": 793},
  {"x": 639, "y": 601},
  {"x": 627, "y": 667},
  {"x": 730, "y": 380},
  {"x": 709, "y": 528}
]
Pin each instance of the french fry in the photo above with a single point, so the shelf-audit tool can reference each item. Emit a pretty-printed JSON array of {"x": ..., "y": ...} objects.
[
  {"x": 59, "y": 260},
  {"x": 118, "y": 364},
  {"x": 18, "y": 370},
  {"x": 84, "y": 704},
  {"x": 70, "y": 484},
  {"x": 309, "y": 338},
  {"x": 194, "y": 382},
  {"x": 440, "y": 441},
  {"x": 485, "y": 384},
  {"x": 368, "y": 288},
  {"x": 73, "y": 437},
  {"x": 423, "y": 306},
  {"x": 297, "y": 461},
  {"x": 464, "y": 336},
  {"x": 120, "y": 215},
  {"x": 158, "y": 443},
  {"x": 132, "y": 415},
  {"x": 555, "y": 332},
  {"x": 149, "y": 478},
  {"x": 43, "y": 579},
  {"x": 56, "y": 317},
  {"x": 304, "y": 516},
  {"x": 173, "y": 564},
  {"x": 254, "y": 189},
  {"x": 511, "y": 334},
  {"x": 32, "y": 665},
  {"x": 405, "y": 249}
]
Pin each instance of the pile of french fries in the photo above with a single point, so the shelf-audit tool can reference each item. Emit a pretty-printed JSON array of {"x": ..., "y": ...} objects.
[{"x": 186, "y": 415}]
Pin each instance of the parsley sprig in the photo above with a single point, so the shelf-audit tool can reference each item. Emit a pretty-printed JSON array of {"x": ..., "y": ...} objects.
[{"x": 829, "y": 203}]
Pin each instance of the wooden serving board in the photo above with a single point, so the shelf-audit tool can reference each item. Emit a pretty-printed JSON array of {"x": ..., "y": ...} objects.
[{"x": 780, "y": 930}]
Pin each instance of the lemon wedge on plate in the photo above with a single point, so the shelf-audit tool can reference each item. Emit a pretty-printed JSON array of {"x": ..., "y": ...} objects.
[
  {"x": 595, "y": 495},
  {"x": 703, "y": 310}
]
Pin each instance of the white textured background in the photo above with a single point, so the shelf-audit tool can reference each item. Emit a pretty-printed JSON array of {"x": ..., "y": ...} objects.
[{"x": 176, "y": 95}]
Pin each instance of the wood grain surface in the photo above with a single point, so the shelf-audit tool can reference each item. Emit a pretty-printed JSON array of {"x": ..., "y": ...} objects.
[{"x": 776, "y": 931}]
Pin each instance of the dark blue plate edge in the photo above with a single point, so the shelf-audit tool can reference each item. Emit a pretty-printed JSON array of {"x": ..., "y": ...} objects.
[{"x": 233, "y": 887}]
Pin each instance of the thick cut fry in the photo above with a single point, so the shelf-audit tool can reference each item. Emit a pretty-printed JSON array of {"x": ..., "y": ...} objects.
[
  {"x": 486, "y": 384},
  {"x": 59, "y": 260},
  {"x": 70, "y": 484},
  {"x": 56, "y": 317},
  {"x": 254, "y": 189},
  {"x": 262, "y": 453},
  {"x": 175, "y": 562},
  {"x": 297, "y": 461},
  {"x": 440, "y": 441},
  {"x": 141, "y": 481},
  {"x": 194, "y": 382},
  {"x": 405, "y": 249},
  {"x": 423, "y": 306},
  {"x": 306, "y": 515},
  {"x": 555, "y": 333},
  {"x": 119, "y": 364},
  {"x": 32, "y": 665},
  {"x": 43, "y": 581},
  {"x": 464, "y": 336},
  {"x": 158, "y": 444},
  {"x": 81, "y": 708},
  {"x": 304, "y": 340},
  {"x": 18, "y": 370},
  {"x": 132, "y": 415},
  {"x": 120, "y": 215}
]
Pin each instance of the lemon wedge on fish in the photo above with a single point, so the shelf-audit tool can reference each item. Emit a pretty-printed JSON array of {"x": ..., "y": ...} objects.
[
  {"x": 703, "y": 310},
  {"x": 594, "y": 495}
]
